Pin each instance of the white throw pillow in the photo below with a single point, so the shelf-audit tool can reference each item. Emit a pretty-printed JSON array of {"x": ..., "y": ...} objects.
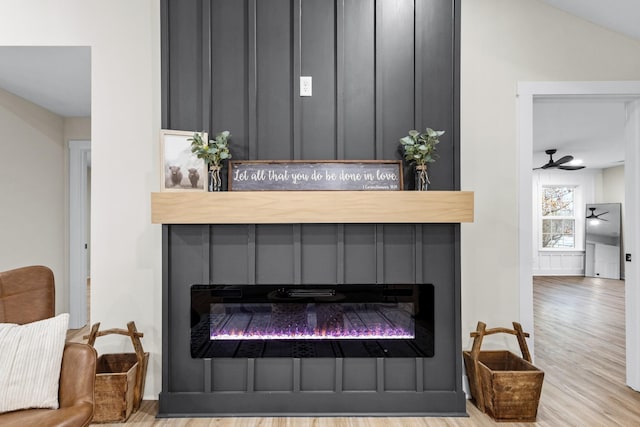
[{"x": 30, "y": 361}]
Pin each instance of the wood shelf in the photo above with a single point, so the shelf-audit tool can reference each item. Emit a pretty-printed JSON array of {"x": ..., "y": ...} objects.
[{"x": 304, "y": 207}]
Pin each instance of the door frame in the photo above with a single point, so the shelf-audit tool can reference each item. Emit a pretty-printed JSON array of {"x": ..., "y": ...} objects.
[
  {"x": 79, "y": 221},
  {"x": 631, "y": 239},
  {"x": 526, "y": 92}
]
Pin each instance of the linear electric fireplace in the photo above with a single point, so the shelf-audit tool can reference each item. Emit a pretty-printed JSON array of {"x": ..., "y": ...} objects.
[{"x": 257, "y": 321}]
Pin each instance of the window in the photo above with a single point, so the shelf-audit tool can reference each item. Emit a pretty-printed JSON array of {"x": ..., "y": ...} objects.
[{"x": 558, "y": 217}]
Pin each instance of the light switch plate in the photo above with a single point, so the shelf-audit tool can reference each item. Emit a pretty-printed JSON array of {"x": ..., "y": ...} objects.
[{"x": 305, "y": 85}]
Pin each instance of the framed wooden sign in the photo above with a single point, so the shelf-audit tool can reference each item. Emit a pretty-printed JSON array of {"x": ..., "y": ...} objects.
[{"x": 310, "y": 175}]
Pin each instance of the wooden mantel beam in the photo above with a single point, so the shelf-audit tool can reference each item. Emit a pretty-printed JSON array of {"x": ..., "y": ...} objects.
[{"x": 304, "y": 207}]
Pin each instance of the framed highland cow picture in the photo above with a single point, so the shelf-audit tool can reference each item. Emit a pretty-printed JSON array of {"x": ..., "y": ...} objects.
[{"x": 181, "y": 169}]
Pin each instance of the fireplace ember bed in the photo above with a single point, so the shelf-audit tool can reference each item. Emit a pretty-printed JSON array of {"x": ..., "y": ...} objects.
[{"x": 257, "y": 321}]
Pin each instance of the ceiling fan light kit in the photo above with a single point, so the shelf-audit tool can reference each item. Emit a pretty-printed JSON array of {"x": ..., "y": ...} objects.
[
  {"x": 560, "y": 163},
  {"x": 595, "y": 217}
]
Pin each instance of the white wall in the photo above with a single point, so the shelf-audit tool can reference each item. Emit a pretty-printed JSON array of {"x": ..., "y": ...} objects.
[
  {"x": 77, "y": 128},
  {"x": 124, "y": 37},
  {"x": 37, "y": 138},
  {"x": 32, "y": 189},
  {"x": 593, "y": 186},
  {"x": 504, "y": 42},
  {"x": 612, "y": 186},
  {"x": 556, "y": 261}
]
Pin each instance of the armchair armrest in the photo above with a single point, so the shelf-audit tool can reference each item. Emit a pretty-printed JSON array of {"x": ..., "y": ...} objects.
[
  {"x": 76, "y": 393},
  {"x": 78, "y": 378}
]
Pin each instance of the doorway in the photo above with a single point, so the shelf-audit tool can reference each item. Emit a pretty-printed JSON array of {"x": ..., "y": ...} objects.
[
  {"x": 79, "y": 232},
  {"x": 526, "y": 93},
  {"x": 46, "y": 95}
]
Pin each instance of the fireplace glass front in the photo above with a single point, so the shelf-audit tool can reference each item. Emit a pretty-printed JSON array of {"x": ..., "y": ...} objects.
[{"x": 311, "y": 321}]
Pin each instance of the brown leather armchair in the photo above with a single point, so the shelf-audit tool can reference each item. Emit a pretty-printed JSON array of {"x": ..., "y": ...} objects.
[{"x": 26, "y": 295}]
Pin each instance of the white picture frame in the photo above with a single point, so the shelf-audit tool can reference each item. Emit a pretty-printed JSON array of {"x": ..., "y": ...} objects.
[{"x": 181, "y": 170}]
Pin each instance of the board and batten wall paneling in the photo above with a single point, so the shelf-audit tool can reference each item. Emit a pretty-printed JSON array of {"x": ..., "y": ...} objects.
[
  {"x": 379, "y": 69},
  {"x": 185, "y": 248},
  {"x": 356, "y": 80},
  {"x": 229, "y": 101},
  {"x": 395, "y": 74},
  {"x": 436, "y": 98},
  {"x": 319, "y": 254},
  {"x": 398, "y": 258},
  {"x": 275, "y": 254},
  {"x": 318, "y": 59},
  {"x": 369, "y": 87},
  {"x": 438, "y": 249},
  {"x": 274, "y": 63},
  {"x": 183, "y": 67},
  {"x": 230, "y": 254},
  {"x": 359, "y": 249}
]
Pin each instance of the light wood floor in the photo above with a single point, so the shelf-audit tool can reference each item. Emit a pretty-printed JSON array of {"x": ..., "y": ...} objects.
[{"x": 579, "y": 344}]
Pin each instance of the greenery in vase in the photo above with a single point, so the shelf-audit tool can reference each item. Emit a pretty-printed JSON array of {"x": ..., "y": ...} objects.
[
  {"x": 213, "y": 151},
  {"x": 420, "y": 147}
]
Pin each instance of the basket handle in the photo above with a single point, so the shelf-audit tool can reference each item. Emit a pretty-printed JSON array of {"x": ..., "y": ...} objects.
[
  {"x": 482, "y": 331},
  {"x": 478, "y": 336},
  {"x": 131, "y": 332}
]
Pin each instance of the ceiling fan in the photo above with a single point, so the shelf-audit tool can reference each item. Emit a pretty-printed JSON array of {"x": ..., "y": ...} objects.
[
  {"x": 593, "y": 215},
  {"x": 560, "y": 163}
]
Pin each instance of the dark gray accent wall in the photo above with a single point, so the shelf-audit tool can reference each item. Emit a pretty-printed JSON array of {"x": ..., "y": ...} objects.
[{"x": 379, "y": 68}]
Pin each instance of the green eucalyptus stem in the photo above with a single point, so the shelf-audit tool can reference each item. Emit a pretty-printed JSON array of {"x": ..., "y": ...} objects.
[
  {"x": 214, "y": 151},
  {"x": 421, "y": 147}
]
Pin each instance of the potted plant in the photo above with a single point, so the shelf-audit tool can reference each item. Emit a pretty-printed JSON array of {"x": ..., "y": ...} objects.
[
  {"x": 213, "y": 152},
  {"x": 419, "y": 148}
]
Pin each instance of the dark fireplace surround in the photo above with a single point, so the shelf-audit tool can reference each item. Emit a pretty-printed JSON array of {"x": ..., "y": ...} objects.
[
  {"x": 379, "y": 69},
  {"x": 417, "y": 373}
]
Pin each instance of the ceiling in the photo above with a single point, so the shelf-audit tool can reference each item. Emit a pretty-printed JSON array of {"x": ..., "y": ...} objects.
[
  {"x": 587, "y": 128},
  {"x": 621, "y": 16},
  {"x": 58, "y": 78}
]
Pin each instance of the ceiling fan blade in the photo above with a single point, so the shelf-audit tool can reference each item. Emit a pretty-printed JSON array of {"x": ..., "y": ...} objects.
[
  {"x": 563, "y": 160},
  {"x": 559, "y": 163},
  {"x": 603, "y": 213},
  {"x": 548, "y": 165}
]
